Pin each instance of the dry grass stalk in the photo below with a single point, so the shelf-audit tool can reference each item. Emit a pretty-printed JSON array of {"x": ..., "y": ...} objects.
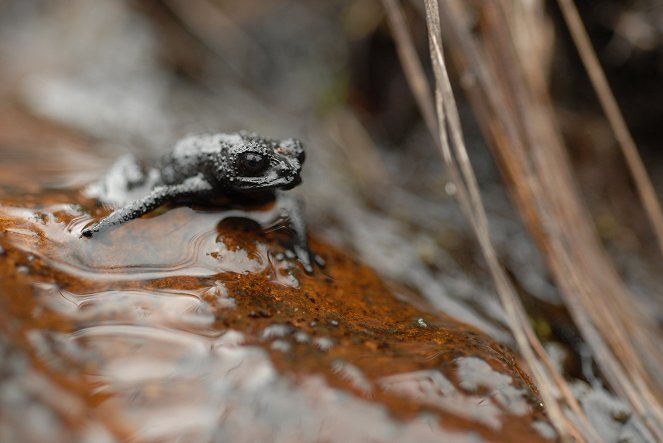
[
  {"x": 615, "y": 118},
  {"x": 457, "y": 160},
  {"x": 516, "y": 111},
  {"x": 512, "y": 103},
  {"x": 411, "y": 64}
]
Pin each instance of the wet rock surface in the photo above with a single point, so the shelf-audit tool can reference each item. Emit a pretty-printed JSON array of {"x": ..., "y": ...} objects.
[{"x": 193, "y": 324}]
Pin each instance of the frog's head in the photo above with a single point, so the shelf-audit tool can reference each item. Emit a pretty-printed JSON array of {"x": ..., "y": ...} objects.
[{"x": 250, "y": 163}]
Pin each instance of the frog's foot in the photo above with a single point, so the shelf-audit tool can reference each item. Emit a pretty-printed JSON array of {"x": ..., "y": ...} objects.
[
  {"x": 308, "y": 258},
  {"x": 319, "y": 260}
]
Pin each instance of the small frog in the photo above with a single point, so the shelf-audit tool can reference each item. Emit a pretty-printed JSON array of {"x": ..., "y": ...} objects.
[{"x": 239, "y": 166}]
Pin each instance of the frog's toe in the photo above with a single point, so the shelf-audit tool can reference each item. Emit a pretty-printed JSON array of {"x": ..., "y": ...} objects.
[
  {"x": 308, "y": 268},
  {"x": 89, "y": 232},
  {"x": 318, "y": 260},
  {"x": 305, "y": 257}
]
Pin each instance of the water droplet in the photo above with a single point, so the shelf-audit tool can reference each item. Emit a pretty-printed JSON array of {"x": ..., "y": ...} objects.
[
  {"x": 353, "y": 374},
  {"x": 281, "y": 345},
  {"x": 323, "y": 343},
  {"x": 276, "y": 330},
  {"x": 302, "y": 337}
]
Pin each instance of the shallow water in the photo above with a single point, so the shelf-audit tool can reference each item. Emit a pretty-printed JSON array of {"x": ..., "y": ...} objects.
[{"x": 191, "y": 324}]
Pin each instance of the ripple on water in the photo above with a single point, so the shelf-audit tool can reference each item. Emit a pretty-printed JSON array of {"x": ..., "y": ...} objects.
[
  {"x": 134, "y": 354},
  {"x": 138, "y": 251},
  {"x": 159, "y": 308}
]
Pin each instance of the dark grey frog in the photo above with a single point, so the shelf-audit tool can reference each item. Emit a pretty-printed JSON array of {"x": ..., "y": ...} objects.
[{"x": 240, "y": 166}]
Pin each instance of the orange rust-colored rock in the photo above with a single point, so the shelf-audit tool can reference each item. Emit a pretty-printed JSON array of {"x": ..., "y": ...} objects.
[{"x": 183, "y": 325}]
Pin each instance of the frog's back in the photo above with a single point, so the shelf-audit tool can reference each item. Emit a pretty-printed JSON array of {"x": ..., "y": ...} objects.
[{"x": 190, "y": 155}]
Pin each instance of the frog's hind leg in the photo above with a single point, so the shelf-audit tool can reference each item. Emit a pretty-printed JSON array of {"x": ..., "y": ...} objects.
[
  {"x": 195, "y": 187},
  {"x": 125, "y": 181}
]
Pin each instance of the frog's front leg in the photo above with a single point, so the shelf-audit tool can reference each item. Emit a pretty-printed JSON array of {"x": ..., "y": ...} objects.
[
  {"x": 292, "y": 208},
  {"x": 195, "y": 187}
]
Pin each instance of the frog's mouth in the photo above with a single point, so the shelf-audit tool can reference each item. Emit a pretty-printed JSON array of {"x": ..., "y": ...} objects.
[
  {"x": 292, "y": 183},
  {"x": 258, "y": 184}
]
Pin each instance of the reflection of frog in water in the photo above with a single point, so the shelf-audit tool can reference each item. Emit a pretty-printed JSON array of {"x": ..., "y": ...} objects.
[{"x": 238, "y": 166}]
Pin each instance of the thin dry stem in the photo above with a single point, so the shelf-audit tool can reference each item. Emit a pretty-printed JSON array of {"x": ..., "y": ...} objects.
[
  {"x": 513, "y": 106},
  {"x": 517, "y": 318},
  {"x": 637, "y": 168},
  {"x": 414, "y": 72}
]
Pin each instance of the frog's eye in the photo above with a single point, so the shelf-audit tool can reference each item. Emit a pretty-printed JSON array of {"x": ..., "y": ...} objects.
[{"x": 251, "y": 164}]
